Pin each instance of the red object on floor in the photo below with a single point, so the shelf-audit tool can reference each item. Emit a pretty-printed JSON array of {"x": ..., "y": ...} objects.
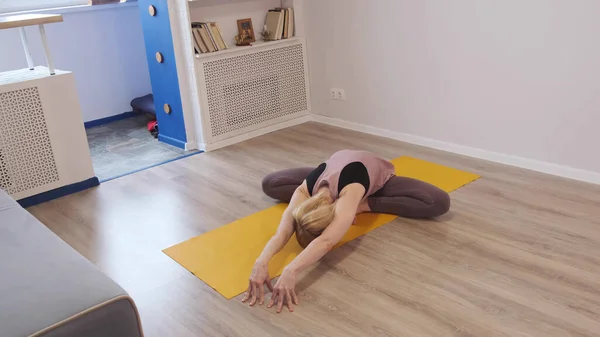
[
  {"x": 151, "y": 125},
  {"x": 153, "y": 128}
]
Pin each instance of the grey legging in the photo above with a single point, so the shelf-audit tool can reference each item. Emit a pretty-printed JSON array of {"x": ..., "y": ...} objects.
[{"x": 401, "y": 196}]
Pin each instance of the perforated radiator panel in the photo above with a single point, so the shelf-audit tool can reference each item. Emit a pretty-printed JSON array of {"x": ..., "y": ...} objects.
[
  {"x": 247, "y": 90},
  {"x": 26, "y": 157}
]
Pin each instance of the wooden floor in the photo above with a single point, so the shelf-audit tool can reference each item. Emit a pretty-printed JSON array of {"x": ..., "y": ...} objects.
[{"x": 518, "y": 254}]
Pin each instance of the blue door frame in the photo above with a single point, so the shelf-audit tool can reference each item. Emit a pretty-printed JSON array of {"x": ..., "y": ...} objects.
[{"x": 163, "y": 75}]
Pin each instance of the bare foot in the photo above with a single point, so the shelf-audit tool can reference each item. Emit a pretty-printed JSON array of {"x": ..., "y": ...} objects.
[{"x": 363, "y": 207}]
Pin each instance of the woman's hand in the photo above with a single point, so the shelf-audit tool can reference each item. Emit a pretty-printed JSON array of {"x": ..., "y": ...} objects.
[
  {"x": 259, "y": 276},
  {"x": 284, "y": 291}
]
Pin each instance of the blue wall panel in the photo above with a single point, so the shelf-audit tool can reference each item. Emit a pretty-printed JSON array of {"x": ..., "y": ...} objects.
[{"x": 163, "y": 76}]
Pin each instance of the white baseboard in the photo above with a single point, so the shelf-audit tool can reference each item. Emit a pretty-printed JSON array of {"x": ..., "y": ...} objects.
[
  {"x": 240, "y": 138},
  {"x": 190, "y": 146},
  {"x": 535, "y": 165}
]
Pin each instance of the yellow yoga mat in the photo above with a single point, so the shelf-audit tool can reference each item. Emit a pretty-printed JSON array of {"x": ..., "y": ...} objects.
[{"x": 224, "y": 257}]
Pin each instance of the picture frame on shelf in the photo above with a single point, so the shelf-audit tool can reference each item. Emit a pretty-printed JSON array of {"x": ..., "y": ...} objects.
[{"x": 246, "y": 29}]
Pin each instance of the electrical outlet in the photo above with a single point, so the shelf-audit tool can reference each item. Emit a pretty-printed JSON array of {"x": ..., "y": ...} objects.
[{"x": 337, "y": 94}]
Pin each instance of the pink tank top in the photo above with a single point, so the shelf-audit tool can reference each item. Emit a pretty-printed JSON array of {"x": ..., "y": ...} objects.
[{"x": 379, "y": 170}]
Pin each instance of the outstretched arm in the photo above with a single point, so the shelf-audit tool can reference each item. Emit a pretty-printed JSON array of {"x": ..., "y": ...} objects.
[
  {"x": 286, "y": 226},
  {"x": 345, "y": 211},
  {"x": 260, "y": 272}
]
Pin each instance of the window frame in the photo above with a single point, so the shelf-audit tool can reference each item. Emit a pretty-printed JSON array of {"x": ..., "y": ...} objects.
[{"x": 73, "y": 9}]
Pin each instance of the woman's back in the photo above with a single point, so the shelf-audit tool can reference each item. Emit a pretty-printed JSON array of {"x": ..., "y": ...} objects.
[{"x": 352, "y": 166}]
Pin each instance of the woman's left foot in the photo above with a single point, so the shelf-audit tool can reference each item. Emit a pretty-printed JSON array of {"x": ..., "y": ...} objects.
[{"x": 363, "y": 207}]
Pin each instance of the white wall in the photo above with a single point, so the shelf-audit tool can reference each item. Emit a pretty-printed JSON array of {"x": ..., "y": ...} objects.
[
  {"x": 105, "y": 50},
  {"x": 515, "y": 77}
]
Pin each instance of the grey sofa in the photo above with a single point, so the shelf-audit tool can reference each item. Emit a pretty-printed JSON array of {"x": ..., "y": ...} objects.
[{"x": 48, "y": 289}]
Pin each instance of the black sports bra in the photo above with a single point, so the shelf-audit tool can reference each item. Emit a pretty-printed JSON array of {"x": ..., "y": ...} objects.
[{"x": 355, "y": 172}]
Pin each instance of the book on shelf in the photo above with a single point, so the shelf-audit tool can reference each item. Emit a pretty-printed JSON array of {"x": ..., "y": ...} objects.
[
  {"x": 272, "y": 24},
  {"x": 208, "y": 37},
  {"x": 218, "y": 35},
  {"x": 280, "y": 22},
  {"x": 286, "y": 24},
  {"x": 199, "y": 45},
  {"x": 291, "y": 22}
]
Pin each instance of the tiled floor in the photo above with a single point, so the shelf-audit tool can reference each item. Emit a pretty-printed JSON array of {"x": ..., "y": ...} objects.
[{"x": 125, "y": 146}]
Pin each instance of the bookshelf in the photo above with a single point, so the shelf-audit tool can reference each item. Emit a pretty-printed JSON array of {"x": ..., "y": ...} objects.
[
  {"x": 258, "y": 45},
  {"x": 227, "y": 14},
  {"x": 240, "y": 92}
]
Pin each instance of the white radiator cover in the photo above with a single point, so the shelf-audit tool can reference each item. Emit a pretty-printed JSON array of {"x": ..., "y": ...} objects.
[
  {"x": 249, "y": 90},
  {"x": 26, "y": 156},
  {"x": 43, "y": 144}
]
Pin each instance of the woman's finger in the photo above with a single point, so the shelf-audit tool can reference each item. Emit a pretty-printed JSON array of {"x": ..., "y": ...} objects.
[
  {"x": 261, "y": 296},
  {"x": 254, "y": 293},
  {"x": 280, "y": 299},
  {"x": 294, "y": 297},
  {"x": 273, "y": 299},
  {"x": 248, "y": 292},
  {"x": 288, "y": 299},
  {"x": 269, "y": 285}
]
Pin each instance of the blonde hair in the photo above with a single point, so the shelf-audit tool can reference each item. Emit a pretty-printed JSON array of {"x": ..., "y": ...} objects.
[{"x": 312, "y": 216}]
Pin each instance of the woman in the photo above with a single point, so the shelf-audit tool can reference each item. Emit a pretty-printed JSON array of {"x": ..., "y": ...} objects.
[{"x": 323, "y": 203}]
